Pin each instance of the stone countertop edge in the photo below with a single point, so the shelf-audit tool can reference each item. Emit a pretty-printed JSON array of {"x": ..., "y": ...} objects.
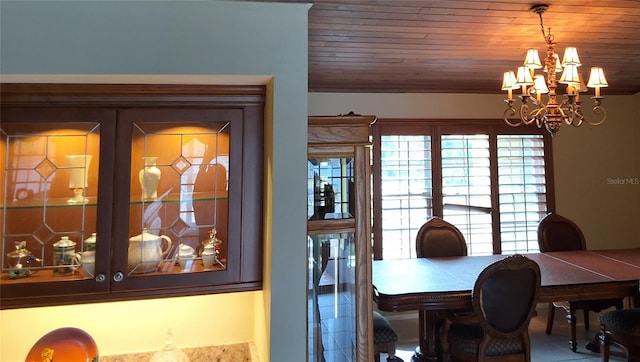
[{"x": 239, "y": 352}]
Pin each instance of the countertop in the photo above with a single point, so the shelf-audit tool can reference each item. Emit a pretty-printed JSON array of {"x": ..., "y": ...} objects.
[{"x": 240, "y": 352}]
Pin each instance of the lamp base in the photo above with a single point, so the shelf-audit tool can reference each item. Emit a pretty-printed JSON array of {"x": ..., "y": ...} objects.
[{"x": 78, "y": 196}]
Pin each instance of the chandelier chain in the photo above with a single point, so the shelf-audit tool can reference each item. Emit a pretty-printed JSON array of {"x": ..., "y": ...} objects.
[
  {"x": 546, "y": 36},
  {"x": 542, "y": 26}
]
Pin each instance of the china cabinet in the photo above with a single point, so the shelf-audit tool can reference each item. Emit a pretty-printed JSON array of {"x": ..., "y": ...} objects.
[
  {"x": 128, "y": 191},
  {"x": 339, "y": 238}
]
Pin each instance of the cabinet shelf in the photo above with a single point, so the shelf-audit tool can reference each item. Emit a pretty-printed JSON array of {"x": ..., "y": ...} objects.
[
  {"x": 184, "y": 197},
  {"x": 45, "y": 274},
  {"x": 53, "y": 203},
  {"x": 92, "y": 201}
]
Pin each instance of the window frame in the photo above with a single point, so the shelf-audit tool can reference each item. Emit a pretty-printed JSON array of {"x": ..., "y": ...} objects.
[{"x": 436, "y": 128}]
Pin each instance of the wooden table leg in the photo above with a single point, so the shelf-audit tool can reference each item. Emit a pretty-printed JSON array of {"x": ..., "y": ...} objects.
[
  {"x": 634, "y": 300},
  {"x": 429, "y": 348}
]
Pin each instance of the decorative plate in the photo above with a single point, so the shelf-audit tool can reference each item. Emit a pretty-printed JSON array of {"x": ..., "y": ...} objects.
[{"x": 64, "y": 344}]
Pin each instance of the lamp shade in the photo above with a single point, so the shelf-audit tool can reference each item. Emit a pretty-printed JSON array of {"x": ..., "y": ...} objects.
[
  {"x": 532, "y": 60},
  {"x": 571, "y": 57},
  {"x": 597, "y": 79},
  {"x": 540, "y": 84},
  {"x": 524, "y": 76},
  {"x": 570, "y": 75},
  {"x": 509, "y": 81}
]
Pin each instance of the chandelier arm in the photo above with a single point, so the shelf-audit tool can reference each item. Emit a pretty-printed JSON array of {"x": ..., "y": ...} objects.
[
  {"x": 563, "y": 113},
  {"x": 510, "y": 112},
  {"x": 566, "y": 109},
  {"x": 597, "y": 110},
  {"x": 580, "y": 118},
  {"x": 537, "y": 115},
  {"x": 563, "y": 104},
  {"x": 576, "y": 115},
  {"x": 569, "y": 113},
  {"x": 526, "y": 116},
  {"x": 531, "y": 91}
]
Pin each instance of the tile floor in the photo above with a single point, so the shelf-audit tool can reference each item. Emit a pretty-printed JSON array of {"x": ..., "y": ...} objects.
[
  {"x": 545, "y": 348},
  {"x": 337, "y": 328}
]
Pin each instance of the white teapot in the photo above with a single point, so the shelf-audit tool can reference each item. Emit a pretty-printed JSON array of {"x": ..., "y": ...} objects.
[{"x": 146, "y": 251}]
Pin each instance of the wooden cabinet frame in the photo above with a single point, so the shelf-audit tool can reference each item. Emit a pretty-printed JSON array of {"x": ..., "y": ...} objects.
[
  {"x": 349, "y": 137},
  {"x": 107, "y": 104}
]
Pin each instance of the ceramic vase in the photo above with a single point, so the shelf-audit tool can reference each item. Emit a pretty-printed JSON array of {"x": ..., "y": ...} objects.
[
  {"x": 78, "y": 176},
  {"x": 149, "y": 179},
  {"x": 208, "y": 256}
]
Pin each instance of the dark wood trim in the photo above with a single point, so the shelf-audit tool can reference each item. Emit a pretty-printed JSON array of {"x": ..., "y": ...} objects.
[
  {"x": 376, "y": 197},
  {"x": 84, "y": 298},
  {"x": 123, "y": 95},
  {"x": 495, "y": 193}
]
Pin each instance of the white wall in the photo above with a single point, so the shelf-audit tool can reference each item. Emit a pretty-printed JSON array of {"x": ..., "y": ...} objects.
[
  {"x": 185, "y": 38},
  {"x": 585, "y": 158},
  {"x": 141, "y": 326}
]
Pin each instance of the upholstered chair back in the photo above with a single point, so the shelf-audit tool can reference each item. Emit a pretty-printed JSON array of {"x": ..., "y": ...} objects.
[
  {"x": 557, "y": 233},
  {"x": 438, "y": 238},
  {"x": 504, "y": 299},
  {"x": 505, "y": 295}
]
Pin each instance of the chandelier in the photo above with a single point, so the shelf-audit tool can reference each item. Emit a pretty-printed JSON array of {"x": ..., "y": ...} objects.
[{"x": 552, "y": 114}]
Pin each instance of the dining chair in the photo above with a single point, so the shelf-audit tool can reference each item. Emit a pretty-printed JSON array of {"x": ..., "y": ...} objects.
[
  {"x": 384, "y": 338},
  {"x": 621, "y": 327},
  {"x": 558, "y": 233},
  {"x": 438, "y": 238},
  {"x": 504, "y": 299}
]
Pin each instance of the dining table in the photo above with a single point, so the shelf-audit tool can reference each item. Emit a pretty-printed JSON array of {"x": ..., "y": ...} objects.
[{"x": 437, "y": 285}]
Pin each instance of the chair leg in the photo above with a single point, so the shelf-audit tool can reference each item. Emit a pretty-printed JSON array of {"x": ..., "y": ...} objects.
[
  {"x": 550, "y": 316},
  {"x": 586, "y": 319},
  {"x": 391, "y": 348},
  {"x": 605, "y": 347},
  {"x": 594, "y": 344},
  {"x": 571, "y": 319}
]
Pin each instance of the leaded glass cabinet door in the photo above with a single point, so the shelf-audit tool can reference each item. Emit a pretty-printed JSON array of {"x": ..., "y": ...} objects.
[
  {"x": 53, "y": 233},
  {"x": 339, "y": 244},
  {"x": 332, "y": 297},
  {"x": 178, "y": 188},
  {"x": 179, "y": 197}
]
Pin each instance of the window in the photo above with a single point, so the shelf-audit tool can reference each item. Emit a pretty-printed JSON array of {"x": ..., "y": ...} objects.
[
  {"x": 406, "y": 183},
  {"x": 490, "y": 180},
  {"x": 466, "y": 189},
  {"x": 522, "y": 190}
]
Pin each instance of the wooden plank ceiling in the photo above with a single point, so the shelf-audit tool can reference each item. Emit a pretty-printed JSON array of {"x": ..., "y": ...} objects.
[{"x": 463, "y": 46}]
